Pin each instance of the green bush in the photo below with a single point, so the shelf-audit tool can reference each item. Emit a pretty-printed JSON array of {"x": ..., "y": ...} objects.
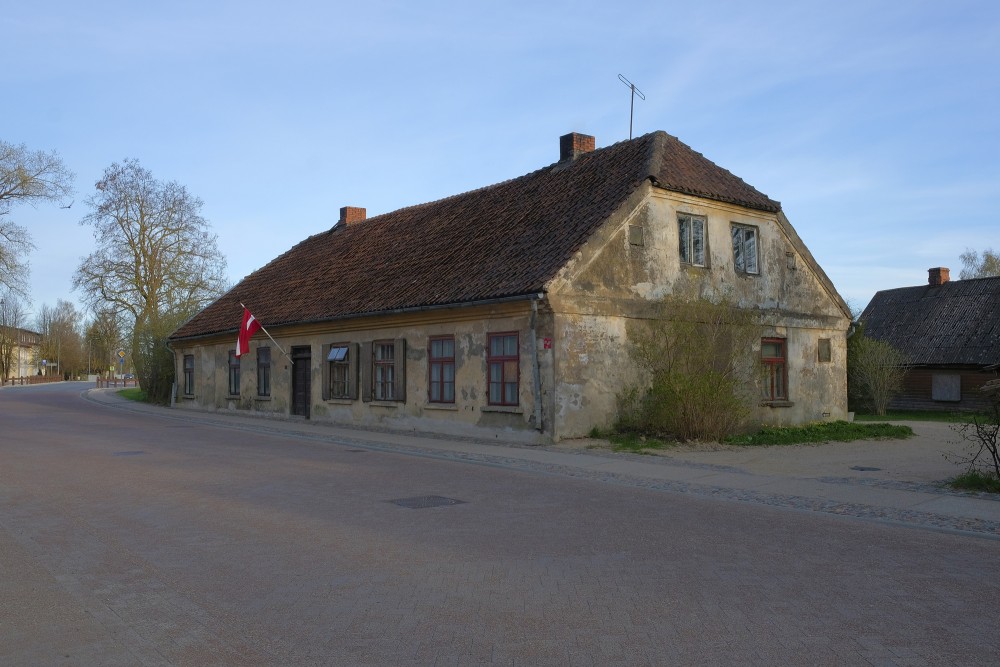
[{"x": 698, "y": 371}]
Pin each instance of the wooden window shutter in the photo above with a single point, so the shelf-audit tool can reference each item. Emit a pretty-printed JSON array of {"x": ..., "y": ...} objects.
[
  {"x": 366, "y": 371},
  {"x": 326, "y": 372},
  {"x": 400, "y": 379},
  {"x": 352, "y": 371}
]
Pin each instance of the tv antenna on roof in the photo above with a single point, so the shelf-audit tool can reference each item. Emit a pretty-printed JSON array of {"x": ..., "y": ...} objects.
[{"x": 635, "y": 91}]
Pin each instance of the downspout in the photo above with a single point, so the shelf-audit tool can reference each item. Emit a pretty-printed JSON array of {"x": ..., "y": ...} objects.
[{"x": 535, "y": 370}]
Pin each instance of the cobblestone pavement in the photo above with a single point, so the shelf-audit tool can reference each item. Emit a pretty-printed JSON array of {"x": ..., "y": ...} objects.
[{"x": 131, "y": 537}]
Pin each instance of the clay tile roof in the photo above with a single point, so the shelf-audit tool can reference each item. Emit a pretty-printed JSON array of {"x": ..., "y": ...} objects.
[
  {"x": 955, "y": 323},
  {"x": 500, "y": 241}
]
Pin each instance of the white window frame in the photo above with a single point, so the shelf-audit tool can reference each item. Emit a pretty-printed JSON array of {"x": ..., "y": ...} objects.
[{"x": 689, "y": 227}]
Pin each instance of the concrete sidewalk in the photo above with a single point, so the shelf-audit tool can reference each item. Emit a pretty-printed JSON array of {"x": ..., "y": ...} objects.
[{"x": 898, "y": 481}]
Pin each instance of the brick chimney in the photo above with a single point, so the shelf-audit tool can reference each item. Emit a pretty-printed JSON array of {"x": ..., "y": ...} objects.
[
  {"x": 938, "y": 276},
  {"x": 573, "y": 145},
  {"x": 351, "y": 214}
]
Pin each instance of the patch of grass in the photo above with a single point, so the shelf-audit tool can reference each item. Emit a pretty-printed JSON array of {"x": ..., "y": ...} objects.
[
  {"x": 918, "y": 415},
  {"x": 134, "y": 394},
  {"x": 838, "y": 431},
  {"x": 976, "y": 480}
]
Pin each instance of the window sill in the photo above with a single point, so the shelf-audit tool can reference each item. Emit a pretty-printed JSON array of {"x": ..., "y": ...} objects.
[
  {"x": 262, "y": 398},
  {"x": 339, "y": 401},
  {"x": 510, "y": 409},
  {"x": 385, "y": 404},
  {"x": 189, "y": 397},
  {"x": 233, "y": 397},
  {"x": 441, "y": 406},
  {"x": 777, "y": 404}
]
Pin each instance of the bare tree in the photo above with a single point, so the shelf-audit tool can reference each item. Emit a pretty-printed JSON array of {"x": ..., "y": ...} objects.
[
  {"x": 29, "y": 177},
  {"x": 156, "y": 261},
  {"x": 62, "y": 338},
  {"x": 875, "y": 371},
  {"x": 975, "y": 265},
  {"x": 105, "y": 335}
]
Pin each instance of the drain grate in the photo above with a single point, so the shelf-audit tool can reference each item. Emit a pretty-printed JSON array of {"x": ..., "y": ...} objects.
[
  {"x": 420, "y": 502},
  {"x": 864, "y": 468},
  {"x": 127, "y": 453}
]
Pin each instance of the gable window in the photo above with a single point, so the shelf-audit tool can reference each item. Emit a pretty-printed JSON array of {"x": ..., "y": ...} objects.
[
  {"x": 772, "y": 356},
  {"x": 503, "y": 362},
  {"x": 441, "y": 369},
  {"x": 234, "y": 374},
  {"x": 263, "y": 371},
  {"x": 339, "y": 360},
  {"x": 383, "y": 376},
  {"x": 691, "y": 232},
  {"x": 745, "y": 249},
  {"x": 189, "y": 375}
]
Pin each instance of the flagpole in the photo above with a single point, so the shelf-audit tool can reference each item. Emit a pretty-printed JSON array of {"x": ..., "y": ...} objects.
[{"x": 271, "y": 337}]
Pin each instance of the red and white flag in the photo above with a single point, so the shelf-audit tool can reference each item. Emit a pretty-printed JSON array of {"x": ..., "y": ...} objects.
[{"x": 247, "y": 330}]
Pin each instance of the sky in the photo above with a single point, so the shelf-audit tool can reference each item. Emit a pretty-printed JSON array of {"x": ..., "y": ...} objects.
[{"x": 875, "y": 123}]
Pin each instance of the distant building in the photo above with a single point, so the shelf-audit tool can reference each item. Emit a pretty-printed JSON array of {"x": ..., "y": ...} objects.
[
  {"x": 23, "y": 347},
  {"x": 949, "y": 330},
  {"x": 507, "y": 308}
]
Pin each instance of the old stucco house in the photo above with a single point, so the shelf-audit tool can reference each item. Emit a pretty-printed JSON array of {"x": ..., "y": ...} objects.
[
  {"x": 949, "y": 332},
  {"x": 506, "y": 308}
]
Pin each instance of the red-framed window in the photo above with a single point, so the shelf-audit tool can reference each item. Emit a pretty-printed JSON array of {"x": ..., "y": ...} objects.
[
  {"x": 384, "y": 365},
  {"x": 773, "y": 355},
  {"x": 441, "y": 369},
  {"x": 263, "y": 371},
  {"x": 503, "y": 367},
  {"x": 234, "y": 374}
]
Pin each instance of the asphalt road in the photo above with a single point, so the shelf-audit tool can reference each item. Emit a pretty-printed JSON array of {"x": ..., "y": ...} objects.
[{"x": 133, "y": 539}]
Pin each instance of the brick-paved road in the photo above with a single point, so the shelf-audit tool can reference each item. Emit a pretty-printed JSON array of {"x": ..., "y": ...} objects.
[{"x": 129, "y": 539}]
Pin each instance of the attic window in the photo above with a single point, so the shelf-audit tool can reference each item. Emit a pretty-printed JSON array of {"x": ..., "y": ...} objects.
[
  {"x": 745, "y": 249},
  {"x": 691, "y": 234}
]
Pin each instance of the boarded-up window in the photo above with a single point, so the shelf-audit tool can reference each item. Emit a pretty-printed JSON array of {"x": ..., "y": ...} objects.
[
  {"x": 946, "y": 387},
  {"x": 825, "y": 353}
]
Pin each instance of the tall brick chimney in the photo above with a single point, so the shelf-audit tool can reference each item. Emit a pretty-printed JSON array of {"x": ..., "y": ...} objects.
[
  {"x": 938, "y": 276},
  {"x": 351, "y": 214},
  {"x": 573, "y": 145}
]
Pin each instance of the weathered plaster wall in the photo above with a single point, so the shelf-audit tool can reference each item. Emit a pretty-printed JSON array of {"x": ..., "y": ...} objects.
[
  {"x": 635, "y": 260},
  {"x": 468, "y": 415}
]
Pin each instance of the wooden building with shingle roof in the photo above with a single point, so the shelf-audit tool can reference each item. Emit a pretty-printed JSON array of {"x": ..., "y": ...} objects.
[
  {"x": 506, "y": 307},
  {"x": 950, "y": 333}
]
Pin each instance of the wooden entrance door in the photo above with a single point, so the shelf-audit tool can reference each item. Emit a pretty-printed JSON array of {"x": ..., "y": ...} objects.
[{"x": 301, "y": 380}]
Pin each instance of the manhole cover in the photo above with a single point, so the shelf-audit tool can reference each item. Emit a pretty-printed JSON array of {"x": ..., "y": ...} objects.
[
  {"x": 421, "y": 502},
  {"x": 127, "y": 453},
  {"x": 864, "y": 468}
]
